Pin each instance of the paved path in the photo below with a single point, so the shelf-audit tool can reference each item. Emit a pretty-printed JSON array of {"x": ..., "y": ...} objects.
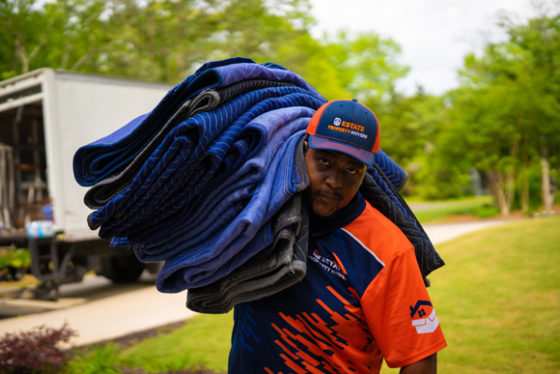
[
  {"x": 140, "y": 307},
  {"x": 108, "y": 317},
  {"x": 443, "y": 232}
]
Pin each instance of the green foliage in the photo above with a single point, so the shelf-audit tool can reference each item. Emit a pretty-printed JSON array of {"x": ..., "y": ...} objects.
[
  {"x": 449, "y": 210},
  {"x": 14, "y": 257},
  {"x": 100, "y": 359},
  {"x": 366, "y": 65},
  {"x": 506, "y": 114},
  {"x": 409, "y": 128},
  {"x": 34, "y": 351},
  {"x": 503, "y": 120},
  {"x": 14, "y": 263},
  {"x": 203, "y": 341},
  {"x": 165, "y": 40}
]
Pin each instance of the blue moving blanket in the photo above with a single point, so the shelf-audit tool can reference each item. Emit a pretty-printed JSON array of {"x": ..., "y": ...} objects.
[
  {"x": 110, "y": 155},
  {"x": 239, "y": 238},
  {"x": 194, "y": 155},
  {"x": 205, "y": 101},
  {"x": 275, "y": 268},
  {"x": 202, "y": 181}
]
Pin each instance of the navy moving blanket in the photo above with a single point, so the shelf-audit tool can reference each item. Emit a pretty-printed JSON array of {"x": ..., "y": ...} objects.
[
  {"x": 210, "y": 183},
  {"x": 108, "y": 156},
  {"x": 205, "y": 101}
]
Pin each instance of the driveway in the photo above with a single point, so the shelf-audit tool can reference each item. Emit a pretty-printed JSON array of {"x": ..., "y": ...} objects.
[{"x": 99, "y": 311}]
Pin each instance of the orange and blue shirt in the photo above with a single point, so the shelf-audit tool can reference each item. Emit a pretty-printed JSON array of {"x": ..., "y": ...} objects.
[{"x": 362, "y": 300}]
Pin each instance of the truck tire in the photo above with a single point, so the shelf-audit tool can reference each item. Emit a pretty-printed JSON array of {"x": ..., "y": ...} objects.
[{"x": 122, "y": 269}]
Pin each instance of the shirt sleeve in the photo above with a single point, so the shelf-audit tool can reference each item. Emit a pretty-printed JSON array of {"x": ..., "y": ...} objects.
[{"x": 400, "y": 314}]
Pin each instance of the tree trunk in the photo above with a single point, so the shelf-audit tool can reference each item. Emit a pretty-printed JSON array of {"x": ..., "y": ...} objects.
[
  {"x": 524, "y": 194},
  {"x": 509, "y": 188},
  {"x": 524, "y": 175},
  {"x": 496, "y": 187},
  {"x": 545, "y": 184}
]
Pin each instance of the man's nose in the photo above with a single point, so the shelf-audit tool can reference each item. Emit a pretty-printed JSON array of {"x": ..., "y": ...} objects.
[{"x": 333, "y": 180}]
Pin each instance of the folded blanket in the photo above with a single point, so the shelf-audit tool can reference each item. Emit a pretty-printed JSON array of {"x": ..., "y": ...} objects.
[
  {"x": 393, "y": 172},
  {"x": 275, "y": 268},
  {"x": 110, "y": 155},
  {"x": 206, "y": 145},
  {"x": 243, "y": 237},
  {"x": 206, "y": 218},
  {"x": 205, "y": 101},
  {"x": 209, "y": 180},
  {"x": 248, "y": 283},
  {"x": 383, "y": 196}
]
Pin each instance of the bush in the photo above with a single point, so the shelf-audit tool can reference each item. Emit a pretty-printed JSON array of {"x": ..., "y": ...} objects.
[
  {"x": 34, "y": 351},
  {"x": 14, "y": 263}
]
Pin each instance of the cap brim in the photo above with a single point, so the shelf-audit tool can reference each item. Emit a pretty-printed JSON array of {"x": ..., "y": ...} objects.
[{"x": 317, "y": 142}]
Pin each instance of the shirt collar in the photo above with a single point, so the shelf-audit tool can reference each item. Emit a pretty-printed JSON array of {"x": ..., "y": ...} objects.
[{"x": 323, "y": 225}]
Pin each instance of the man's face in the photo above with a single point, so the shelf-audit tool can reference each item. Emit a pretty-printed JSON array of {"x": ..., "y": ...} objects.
[{"x": 335, "y": 179}]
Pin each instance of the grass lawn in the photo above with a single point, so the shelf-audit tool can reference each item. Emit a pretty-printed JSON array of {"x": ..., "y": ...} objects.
[
  {"x": 202, "y": 341},
  {"x": 450, "y": 210},
  {"x": 497, "y": 298}
]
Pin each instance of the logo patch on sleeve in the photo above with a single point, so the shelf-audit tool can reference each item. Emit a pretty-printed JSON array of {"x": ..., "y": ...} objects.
[{"x": 424, "y": 317}]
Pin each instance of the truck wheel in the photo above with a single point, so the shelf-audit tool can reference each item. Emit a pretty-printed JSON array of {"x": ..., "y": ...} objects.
[{"x": 122, "y": 269}]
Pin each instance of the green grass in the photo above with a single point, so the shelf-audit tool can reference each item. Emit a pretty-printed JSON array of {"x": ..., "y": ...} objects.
[
  {"x": 473, "y": 207},
  {"x": 497, "y": 298},
  {"x": 203, "y": 341}
]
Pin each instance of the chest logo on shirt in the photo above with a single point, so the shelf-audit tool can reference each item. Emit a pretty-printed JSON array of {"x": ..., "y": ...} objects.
[
  {"x": 424, "y": 317},
  {"x": 327, "y": 264}
]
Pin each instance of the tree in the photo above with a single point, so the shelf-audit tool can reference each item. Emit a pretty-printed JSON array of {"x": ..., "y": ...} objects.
[
  {"x": 409, "y": 127},
  {"x": 367, "y": 65},
  {"x": 540, "y": 39},
  {"x": 61, "y": 34},
  {"x": 506, "y": 111}
]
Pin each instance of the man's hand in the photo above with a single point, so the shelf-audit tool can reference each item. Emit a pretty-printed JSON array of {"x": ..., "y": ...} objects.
[{"x": 425, "y": 366}]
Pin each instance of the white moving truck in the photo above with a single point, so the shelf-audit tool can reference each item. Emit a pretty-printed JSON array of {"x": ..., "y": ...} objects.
[{"x": 45, "y": 116}]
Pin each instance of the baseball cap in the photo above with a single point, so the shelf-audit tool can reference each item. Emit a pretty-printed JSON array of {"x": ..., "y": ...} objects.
[{"x": 345, "y": 126}]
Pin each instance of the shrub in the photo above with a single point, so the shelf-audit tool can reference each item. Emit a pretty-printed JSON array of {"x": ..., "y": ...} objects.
[
  {"x": 14, "y": 263},
  {"x": 34, "y": 351}
]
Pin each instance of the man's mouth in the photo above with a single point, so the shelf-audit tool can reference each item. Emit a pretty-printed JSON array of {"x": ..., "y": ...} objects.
[{"x": 329, "y": 196}]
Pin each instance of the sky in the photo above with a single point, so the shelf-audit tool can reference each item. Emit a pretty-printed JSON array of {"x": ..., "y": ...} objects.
[{"x": 434, "y": 35}]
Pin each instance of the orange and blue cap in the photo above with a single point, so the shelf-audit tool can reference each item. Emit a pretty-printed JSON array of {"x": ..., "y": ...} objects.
[{"x": 345, "y": 126}]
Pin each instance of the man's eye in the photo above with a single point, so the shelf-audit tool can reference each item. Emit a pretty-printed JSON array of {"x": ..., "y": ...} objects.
[
  {"x": 324, "y": 161},
  {"x": 351, "y": 171}
]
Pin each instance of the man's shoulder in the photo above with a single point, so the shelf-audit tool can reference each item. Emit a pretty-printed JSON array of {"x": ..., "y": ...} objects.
[{"x": 378, "y": 233}]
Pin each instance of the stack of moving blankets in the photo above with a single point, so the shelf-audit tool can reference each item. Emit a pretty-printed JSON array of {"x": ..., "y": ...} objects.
[{"x": 211, "y": 181}]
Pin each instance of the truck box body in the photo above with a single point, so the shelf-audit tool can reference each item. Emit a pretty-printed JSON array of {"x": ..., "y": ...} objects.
[
  {"x": 45, "y": 116},
  {"x": 71, "y": 110}
]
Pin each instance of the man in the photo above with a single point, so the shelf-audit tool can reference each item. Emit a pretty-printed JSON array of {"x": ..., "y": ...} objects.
[{"x": 363, "y": 298}]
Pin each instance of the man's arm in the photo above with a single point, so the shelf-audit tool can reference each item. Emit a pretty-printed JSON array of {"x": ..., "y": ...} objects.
[{"x": 425, "y": 366}]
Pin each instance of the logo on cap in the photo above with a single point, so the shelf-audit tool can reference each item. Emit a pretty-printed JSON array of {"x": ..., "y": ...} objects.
[{"x": 337, "y": 121}]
